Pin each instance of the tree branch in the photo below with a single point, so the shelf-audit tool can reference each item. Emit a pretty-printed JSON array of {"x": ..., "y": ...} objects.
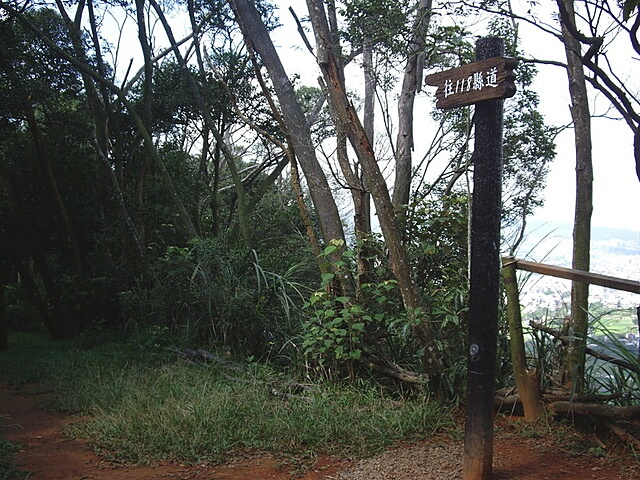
[{"x": 594, "y": 353}]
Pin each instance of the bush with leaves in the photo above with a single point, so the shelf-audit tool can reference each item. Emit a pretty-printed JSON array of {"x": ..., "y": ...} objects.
[
  {"x": 209, "y": 293},
  {"x": 345, "y": 329},
  {"x": 439, "y": 235}
]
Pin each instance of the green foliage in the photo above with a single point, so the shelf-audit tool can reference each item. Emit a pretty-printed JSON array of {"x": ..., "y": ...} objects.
[
  {"x": 20, "y": 313},
  {"x": 206, "y": 292},
  {"x": 345, "y": 329},
  {"x": 529, "y": 142},
  {"x": 105, "y": 203},
  {"x": 28, "y": 364},
  {"x": 382, "y": 23},
  {"x": 212, "y": 290},
  {"x": 439, "y": 231},
  {"x": 629, "y": 7},
  {"x": 30, "y": 67},
  {"x": 608, "y": 331},
  {"x": 279, "y": 235},
  {"x": 337, "y": 328},
  {"x": 447, "y": 47},
  {"x": 341, "y": 327},
  {"x": 333, "y": 329},
  {"x": 605, "y": 377},
  {"x": 51, "y": 198},
  {"x": 7, "y": 469},
  {"x": 525, "y": 161}
]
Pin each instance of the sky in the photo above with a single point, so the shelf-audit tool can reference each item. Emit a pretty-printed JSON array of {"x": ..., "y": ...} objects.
[{"x": 616, "y": 186}]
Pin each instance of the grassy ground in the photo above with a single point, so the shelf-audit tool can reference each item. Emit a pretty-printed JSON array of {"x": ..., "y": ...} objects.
[
  {"x": 146, "y": 404},
  {"x": 617, "y": 322},
  {"x": 7, "y": 471}
]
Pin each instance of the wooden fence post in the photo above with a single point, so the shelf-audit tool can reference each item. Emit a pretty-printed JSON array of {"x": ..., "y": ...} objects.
[{"x": 526, "y": 380}]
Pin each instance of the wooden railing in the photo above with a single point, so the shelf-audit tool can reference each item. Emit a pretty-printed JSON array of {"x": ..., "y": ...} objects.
[
  {"x": 526, "y": 380},
  {"x": 576, "y": 275}
]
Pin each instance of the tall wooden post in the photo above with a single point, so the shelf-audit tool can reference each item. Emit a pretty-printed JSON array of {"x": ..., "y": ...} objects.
[
  {"x": 485, "y": 278},
  {"x": 4, "y": 320},
  {"x": 484, "y": 83}
]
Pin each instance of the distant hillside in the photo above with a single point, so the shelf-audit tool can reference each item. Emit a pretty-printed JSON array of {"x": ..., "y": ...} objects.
[{"x": 537, "y": 228}]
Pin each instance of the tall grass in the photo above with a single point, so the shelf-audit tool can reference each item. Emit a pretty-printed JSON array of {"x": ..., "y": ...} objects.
[
  {"x": 607, "y": 377},
  {"x": 144, "y": 408}
]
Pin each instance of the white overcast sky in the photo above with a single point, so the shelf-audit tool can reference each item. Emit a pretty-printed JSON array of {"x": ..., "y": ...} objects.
[{"x": 616, "y": 186}]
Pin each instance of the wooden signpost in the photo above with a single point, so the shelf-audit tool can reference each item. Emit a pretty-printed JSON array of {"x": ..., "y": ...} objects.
[
  {"x": 487, "y": 79},
  {"x": 483, "y": 83}
]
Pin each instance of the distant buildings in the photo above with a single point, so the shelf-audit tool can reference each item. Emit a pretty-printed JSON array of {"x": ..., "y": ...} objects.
[{"x": 618, "y": 257}]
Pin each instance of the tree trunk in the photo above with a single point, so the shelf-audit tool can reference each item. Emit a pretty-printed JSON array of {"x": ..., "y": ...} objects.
[
  {"x": 359, "y": 194},
  {"x": 101, "y": 112},
  {"x": 636, "y": 150},
  {"x": 44, "y": 161},
  {"x": 4, "y": 320},
  {"x": 362, "y": 197},
  {"x": 111, "y": 175},
  {"x": 147, "y": 84},
  {"x": 410, "y": 84},
  {"x": 256, "y": 34},
  {"x": 243, "y": 217},
  {"x": 578, "y": 323},
  {"x": 304, "y": 214},
  {"x": 398, "y": 257}
]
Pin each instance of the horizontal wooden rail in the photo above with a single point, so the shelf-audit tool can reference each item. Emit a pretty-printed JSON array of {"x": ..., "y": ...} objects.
[{"x": 576, "y": 275}]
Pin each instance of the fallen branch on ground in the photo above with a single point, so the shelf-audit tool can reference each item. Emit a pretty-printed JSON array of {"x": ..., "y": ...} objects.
[
  {"x": 396, "y": 372},
  {"x": 572, "y": 397},
  {"x": 204, "y": 356},
  {"x": 623, "y": 435},
  {"x": 595, "y": 409}
]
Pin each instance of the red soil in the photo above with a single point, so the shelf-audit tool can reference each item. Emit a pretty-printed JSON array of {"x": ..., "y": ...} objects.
[{"x": 48, "y": 455}]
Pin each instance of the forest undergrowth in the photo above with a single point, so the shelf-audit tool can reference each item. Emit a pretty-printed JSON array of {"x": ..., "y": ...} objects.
[{"x": 143, "y": 403}]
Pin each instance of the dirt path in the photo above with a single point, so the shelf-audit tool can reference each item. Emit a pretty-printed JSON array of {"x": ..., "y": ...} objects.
[{"x": 48, "y": 455}]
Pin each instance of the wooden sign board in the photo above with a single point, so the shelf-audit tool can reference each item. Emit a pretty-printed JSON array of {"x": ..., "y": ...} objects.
[{"x": 482, "y": 80}]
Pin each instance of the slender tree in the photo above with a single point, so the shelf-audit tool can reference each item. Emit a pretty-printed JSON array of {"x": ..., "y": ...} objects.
[
  {"x": 579, "y": 320},
  {"x": 411, "y": 81},
  {"x": 257, "y": 35}
]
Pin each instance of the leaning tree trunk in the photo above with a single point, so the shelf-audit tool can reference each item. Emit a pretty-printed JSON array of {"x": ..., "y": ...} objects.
[
  {"x": 578, "y": 323},
  {"x": 352, "y": 173},
  {"x": 526, "y": 379},
  {"x": 4, "y": 319},
  {"x": 347, "y": 116},
  {"x": 256, "y": 34}
]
